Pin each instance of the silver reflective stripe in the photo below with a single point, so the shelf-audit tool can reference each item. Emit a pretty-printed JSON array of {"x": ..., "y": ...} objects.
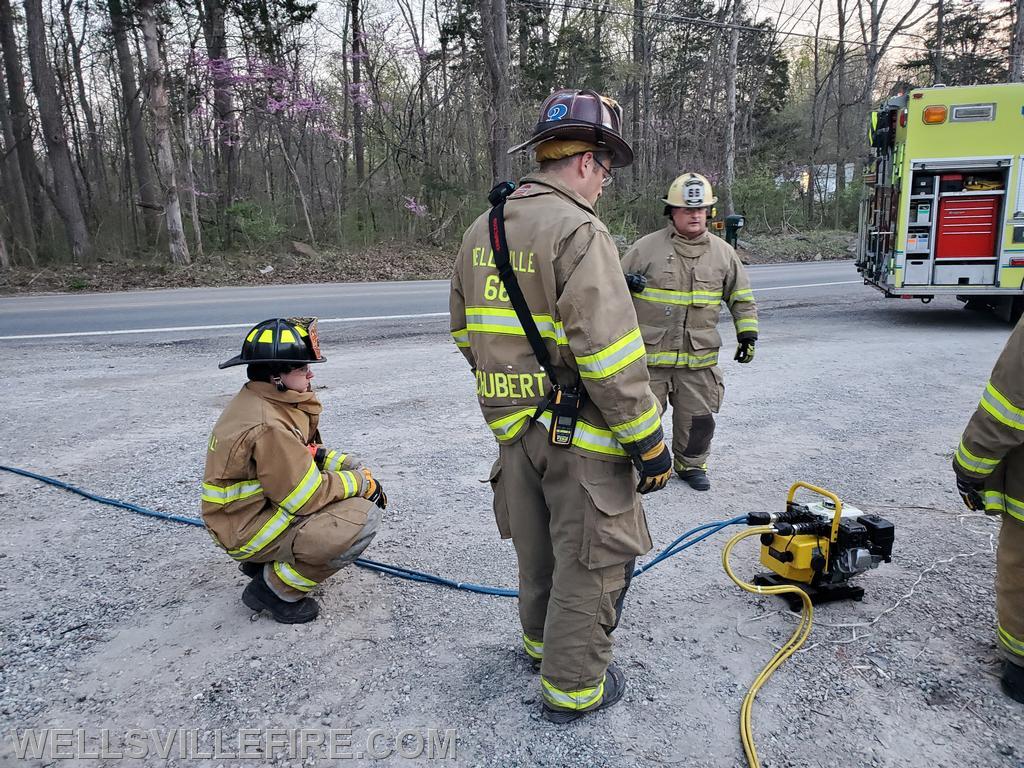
[
  {"x": 1000, "y": 502},
  {"x": 533, "y": 648},
  {"x": 582, "y": 699},
  {"x": 334, "y": 461},
  {"x": 996, "y": 403},
  {"x": 638, "y": 429},
  {"x": 304, "y": 490},
  {"x": 508, "y": 426},
  {"x": 216, "y": 494},
  {"x": 744, "y": 294},
  {"x": 271, "y": 529},
  {"x": 504, "y": 321},
  {"x": 612, "y": 358},
  {"x": 589, "y": 437},
  {"x": 351, "y": 481},
  {"x": 461, "y": 337},
  {"x": 291, "y": 577},
  {"x": 977, "y": 464},
  {"x": 681, "y": 360},
  {"x": 679, "y": 298}
]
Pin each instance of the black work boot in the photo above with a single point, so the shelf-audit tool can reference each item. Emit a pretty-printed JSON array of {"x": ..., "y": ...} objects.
[
  {"x": 1012, "y": 681},
  {"x": 250, "y": 569},
  {"x": 614, "y": 688},
  {"x": 695, "y": 477},
  {"x": 258, "y": 596}
]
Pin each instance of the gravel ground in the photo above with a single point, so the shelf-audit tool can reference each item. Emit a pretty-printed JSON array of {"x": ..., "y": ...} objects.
[{"x": 117, "y": 621}]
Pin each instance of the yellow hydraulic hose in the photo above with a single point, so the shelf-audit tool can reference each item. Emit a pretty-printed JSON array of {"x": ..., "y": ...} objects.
[{"x": 795, "y": 641}]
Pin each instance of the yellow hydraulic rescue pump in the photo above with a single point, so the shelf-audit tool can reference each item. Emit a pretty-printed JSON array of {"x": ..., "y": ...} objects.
[{"x": 820, "y": 546}]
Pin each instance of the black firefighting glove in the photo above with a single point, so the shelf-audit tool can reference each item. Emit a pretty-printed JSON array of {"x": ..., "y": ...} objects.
[
  {"x": 374, "y": 491},
  {"x": 636, "y": 282},
  {"x": 745, "y": 349},
  {"x": 654, "y": 467},
  {"x": 970, "y": 492}
]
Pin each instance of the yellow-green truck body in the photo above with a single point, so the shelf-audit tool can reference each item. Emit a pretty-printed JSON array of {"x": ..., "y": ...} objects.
[{"x": 943, "y": 211}]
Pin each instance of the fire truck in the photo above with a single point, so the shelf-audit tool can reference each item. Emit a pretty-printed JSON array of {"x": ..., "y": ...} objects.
[{"x": 943, "y": 209}]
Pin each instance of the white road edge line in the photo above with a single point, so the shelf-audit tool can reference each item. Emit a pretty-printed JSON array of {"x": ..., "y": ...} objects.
[
  {"x": 426, "y": 315},
  {"x": 213, "y": 327}
]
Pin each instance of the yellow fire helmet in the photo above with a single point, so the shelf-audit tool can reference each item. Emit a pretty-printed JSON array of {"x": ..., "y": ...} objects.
[{"x": 691, "y": 190}]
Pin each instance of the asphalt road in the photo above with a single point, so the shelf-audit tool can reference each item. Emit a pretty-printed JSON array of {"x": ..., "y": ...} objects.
[{"x": 190, "y": 312}]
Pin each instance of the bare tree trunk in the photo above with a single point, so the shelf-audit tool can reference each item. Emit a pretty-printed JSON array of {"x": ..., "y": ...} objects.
[
  {"x": 95, "y": 153},
  {"x": 21, "y": 123},
  {"x": 24, "y": 236},
  {"x": 290, "y": 165},
  {"x": 1017, "y": 45},
  {"x": 494, "y": 23},
  {"x": 5, "y": 259},
  {"x": 940, "y": 32},
  {"x": 141, "y": 165},
  {"x": 197, "y": 227},
  {"x": 157, "y": 92},
  {"x": 730, "y": 107},
  {"x": 356, "y": 91},
  {"x": 840, "y": 109},
  {"x": 66, "y": 199},
  {"x": 213, "y": 18}
]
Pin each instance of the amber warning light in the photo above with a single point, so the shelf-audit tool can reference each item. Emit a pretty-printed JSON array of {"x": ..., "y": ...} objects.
[{"x": 934, "y": 115}]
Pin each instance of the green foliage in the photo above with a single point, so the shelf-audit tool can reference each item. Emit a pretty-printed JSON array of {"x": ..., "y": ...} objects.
[{"x": 256, "y": 225}]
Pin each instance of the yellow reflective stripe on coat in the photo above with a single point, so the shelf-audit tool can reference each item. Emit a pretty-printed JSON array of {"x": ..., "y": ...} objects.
[
  {"x": 637, "y": 429},
  {"x": 976, "y": 464},
  {"x": 1012, "y": 644},
  {"x": 1001, "y": 409},
  {"x": 744, "y": 294},
  {"x": 533, "y": 648},
  {"x": 996, "y": 501},
  {"x": 304, "y": 490},
  {"x": 613, "y": 358},
  {"x": 682, "y": 360},
  {"x": 679, "y": 298},
  {"x": 504, "y": 321},
  {"x": 746, "y": 325},
  {"x": 351, "y": 480},
  {"x": 291, "y": 577},
  {"x": 216, "y": 494},
  {"x": 589, "y": 437},
  {"x": 461, "y": 337},
  {"x": 271, "y": 529},
  {"x": 581, "y": 699},
  {"x": 334, "y": 460},
  {"x": 508, "y": 426}
]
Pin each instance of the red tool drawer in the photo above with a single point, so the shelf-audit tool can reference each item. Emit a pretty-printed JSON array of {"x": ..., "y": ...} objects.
[{"x": 967, "y": 227}]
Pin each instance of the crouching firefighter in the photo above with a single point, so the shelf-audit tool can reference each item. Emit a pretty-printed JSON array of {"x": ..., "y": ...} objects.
[
  {"x": 679, "y": 277},
  {"x": 989, "y": 466},
  {"x": 540, "y": 311},
  {"x": 291, "y": 511}
]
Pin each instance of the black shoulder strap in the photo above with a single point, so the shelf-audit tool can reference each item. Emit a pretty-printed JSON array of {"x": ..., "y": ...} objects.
[{"x": 496, "y": 227}]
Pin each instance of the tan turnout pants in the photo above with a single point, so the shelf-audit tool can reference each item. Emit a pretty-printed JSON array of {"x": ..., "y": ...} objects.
[
  {"x": 577, "y": 526},
  {"x": 696, "y": 395},
  {"x": 317, "y": 546},
  {"x": 1010, "y": 589}
]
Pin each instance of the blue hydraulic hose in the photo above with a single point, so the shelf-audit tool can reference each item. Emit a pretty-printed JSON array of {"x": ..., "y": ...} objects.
[{"x": 682, "y": 542}]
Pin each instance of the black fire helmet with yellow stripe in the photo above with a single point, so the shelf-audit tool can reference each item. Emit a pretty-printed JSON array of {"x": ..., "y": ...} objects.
[{"x": 289, "y": 342}]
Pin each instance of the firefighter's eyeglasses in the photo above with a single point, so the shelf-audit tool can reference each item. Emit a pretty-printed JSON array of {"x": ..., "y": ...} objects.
[{"x": 608, "y": 178}]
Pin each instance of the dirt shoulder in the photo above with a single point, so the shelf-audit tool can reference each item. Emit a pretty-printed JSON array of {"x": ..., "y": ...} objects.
[{"x": 298, "y": 263}]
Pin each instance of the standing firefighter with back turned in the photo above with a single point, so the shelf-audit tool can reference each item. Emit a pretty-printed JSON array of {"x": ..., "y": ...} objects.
[
  {"x": 679, "y": 277},
  {"x": 559, "y": 362},
  {"x": 989, "y": 468},
  {"x": 289, "y": 510}
]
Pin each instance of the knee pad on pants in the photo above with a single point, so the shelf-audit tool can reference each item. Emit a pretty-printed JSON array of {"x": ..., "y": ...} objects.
[
  {"x": 357, "y": 548},
  {"x": 702, "y": 429}
]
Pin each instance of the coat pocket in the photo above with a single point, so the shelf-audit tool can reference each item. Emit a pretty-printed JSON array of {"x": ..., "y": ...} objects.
[
  {"x": 653, "y": 334},
  {"x": 500, "y": 501},
  {"x": 704, "y": 338},
  {"x": 614, "y": 524}
]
